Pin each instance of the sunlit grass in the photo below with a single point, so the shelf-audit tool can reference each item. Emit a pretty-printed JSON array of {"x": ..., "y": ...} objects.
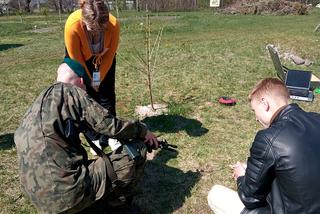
[{"x": 202, "y": 57}]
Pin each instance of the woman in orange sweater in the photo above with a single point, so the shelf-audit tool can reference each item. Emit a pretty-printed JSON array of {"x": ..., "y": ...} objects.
[{"x": 91, "y": 37}]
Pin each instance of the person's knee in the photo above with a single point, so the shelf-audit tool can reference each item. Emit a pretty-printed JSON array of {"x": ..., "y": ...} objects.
[
  {"x": 214, "y": 195},
  {"x": 217, "y": 198},
  {"x": 127, "y": 168},
  {"x": 224, "y": 200},
  {"x": 140, "y": 146}
]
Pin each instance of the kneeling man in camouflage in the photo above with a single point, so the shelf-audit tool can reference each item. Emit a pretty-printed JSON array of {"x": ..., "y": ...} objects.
[{"x": 55, "y": 171}]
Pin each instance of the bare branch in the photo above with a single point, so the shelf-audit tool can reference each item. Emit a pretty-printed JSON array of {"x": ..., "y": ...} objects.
[
  {"x": 156, "y": 42},
  {"x": 157, "y": 49}
]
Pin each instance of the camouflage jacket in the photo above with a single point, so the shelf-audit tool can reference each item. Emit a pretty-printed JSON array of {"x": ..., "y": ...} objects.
[{"x": 53, "y": 168}]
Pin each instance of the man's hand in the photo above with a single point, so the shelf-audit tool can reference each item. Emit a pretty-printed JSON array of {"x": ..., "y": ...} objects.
[
  {"x": 151, "y": 139},
  {"x": 239, "y": 169}
]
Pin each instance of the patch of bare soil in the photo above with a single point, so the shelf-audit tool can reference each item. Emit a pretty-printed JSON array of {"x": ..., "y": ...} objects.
[
  {"x": 147, "y": 111},
  {"x": 36, "y": 29}
]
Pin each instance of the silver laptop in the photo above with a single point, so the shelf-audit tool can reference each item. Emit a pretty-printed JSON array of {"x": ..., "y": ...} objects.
[{"x": 298, "y": 82}]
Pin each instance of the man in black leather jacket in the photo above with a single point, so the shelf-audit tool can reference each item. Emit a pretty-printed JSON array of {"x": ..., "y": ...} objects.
[{"x": 283, "y": 171}]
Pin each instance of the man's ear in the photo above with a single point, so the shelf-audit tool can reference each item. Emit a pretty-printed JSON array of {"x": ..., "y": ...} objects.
[
  {"x": 265, "y": 103},
  {"x": 82, "y": 84}
]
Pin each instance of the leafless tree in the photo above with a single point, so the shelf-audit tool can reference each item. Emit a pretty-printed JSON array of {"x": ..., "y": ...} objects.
[
  {"x": 60, "y": 5},
  {"x": 27, "y": 6},
  {"x": 70, "y": 5},
  {"x": 3, "y": 7},
  {"x": 53, "y": 5},
  {"x": 20, "y": 5},
  {"x": 15, "y": 5},
  {"x": 169, "y": 5}
]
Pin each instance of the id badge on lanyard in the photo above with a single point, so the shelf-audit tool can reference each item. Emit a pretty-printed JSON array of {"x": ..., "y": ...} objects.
[
  {"x": 96, "y": 73},
  {"x": 95, "y": 79}
]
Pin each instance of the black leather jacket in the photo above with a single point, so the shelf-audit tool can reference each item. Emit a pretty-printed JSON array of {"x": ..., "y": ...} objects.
[{"x": 284, "y": 165}]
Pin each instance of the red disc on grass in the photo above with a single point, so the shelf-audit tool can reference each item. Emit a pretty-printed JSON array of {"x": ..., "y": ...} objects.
[{"x": 227, "y": 101}]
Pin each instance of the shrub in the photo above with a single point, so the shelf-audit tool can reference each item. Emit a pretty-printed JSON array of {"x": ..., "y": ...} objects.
[
  {"x": 276, "y": 7},
  {"x": 44, "y": 11}
]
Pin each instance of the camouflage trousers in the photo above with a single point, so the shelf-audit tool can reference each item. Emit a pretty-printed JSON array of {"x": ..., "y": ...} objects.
[{"x": 100, "y": 197}]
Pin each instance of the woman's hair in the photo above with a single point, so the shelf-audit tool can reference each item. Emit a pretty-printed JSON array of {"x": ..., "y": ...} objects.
[
  {"x": 270, "y": 86},
  {"x": 94, "y": 14}
]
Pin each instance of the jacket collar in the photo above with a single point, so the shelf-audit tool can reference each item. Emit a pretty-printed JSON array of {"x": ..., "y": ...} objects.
[{"x": 283, "y": 112}]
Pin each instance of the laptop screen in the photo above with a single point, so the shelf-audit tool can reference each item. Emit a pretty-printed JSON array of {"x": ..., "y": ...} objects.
[
  {"x": 298, "y": 79},
  {"x": 276, "y": 62}
]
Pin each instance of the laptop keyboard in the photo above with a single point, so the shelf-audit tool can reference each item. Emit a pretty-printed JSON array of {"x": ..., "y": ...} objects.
[{"x": 298, "y": 92}]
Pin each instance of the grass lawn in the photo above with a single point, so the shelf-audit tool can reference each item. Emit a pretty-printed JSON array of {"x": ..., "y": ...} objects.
[{"x": 202, "y": 56}]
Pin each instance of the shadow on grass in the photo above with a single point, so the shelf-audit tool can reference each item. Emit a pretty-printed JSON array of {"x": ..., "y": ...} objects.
[
  {"x": 6, "y": 141},
  {"x": 4, "y": 47},
  {"x": 164, "y": 189},
  {"x": 175, "y": 123}
]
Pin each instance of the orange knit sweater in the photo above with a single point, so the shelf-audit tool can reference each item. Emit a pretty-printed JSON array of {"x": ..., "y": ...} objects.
[{"x": 78, "y": 46}]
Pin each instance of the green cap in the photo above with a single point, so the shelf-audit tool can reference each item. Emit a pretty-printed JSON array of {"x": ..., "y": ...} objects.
[{"x": 78, "y": 69}]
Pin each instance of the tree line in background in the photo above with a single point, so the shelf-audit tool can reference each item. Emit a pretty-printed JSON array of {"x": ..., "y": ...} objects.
[
  {"x": 61, "y": 6},
  {"x": 189, "y": 5},
  {"x": 172, "y": 5},
  {"x": 312, "y": 2},
  {"x": 29, "y": 6}
]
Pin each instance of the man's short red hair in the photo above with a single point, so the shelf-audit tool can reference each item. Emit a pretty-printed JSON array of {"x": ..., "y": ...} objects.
[{"x": 269, "y": 86}]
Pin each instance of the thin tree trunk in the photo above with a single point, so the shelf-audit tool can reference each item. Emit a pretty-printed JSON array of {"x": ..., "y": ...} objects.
[
  {"x": 117, "y": 9},
  {"x": 55, "y": 5},
  {"x": 27, "y": 6},
  {"x": 148, "y": 57},
  {"x": 19, "y": 5},
  {"x": 60, "y": 5}
]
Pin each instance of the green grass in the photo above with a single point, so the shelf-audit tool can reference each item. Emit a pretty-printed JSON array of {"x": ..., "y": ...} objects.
[{"x": 202, "y": 56}]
